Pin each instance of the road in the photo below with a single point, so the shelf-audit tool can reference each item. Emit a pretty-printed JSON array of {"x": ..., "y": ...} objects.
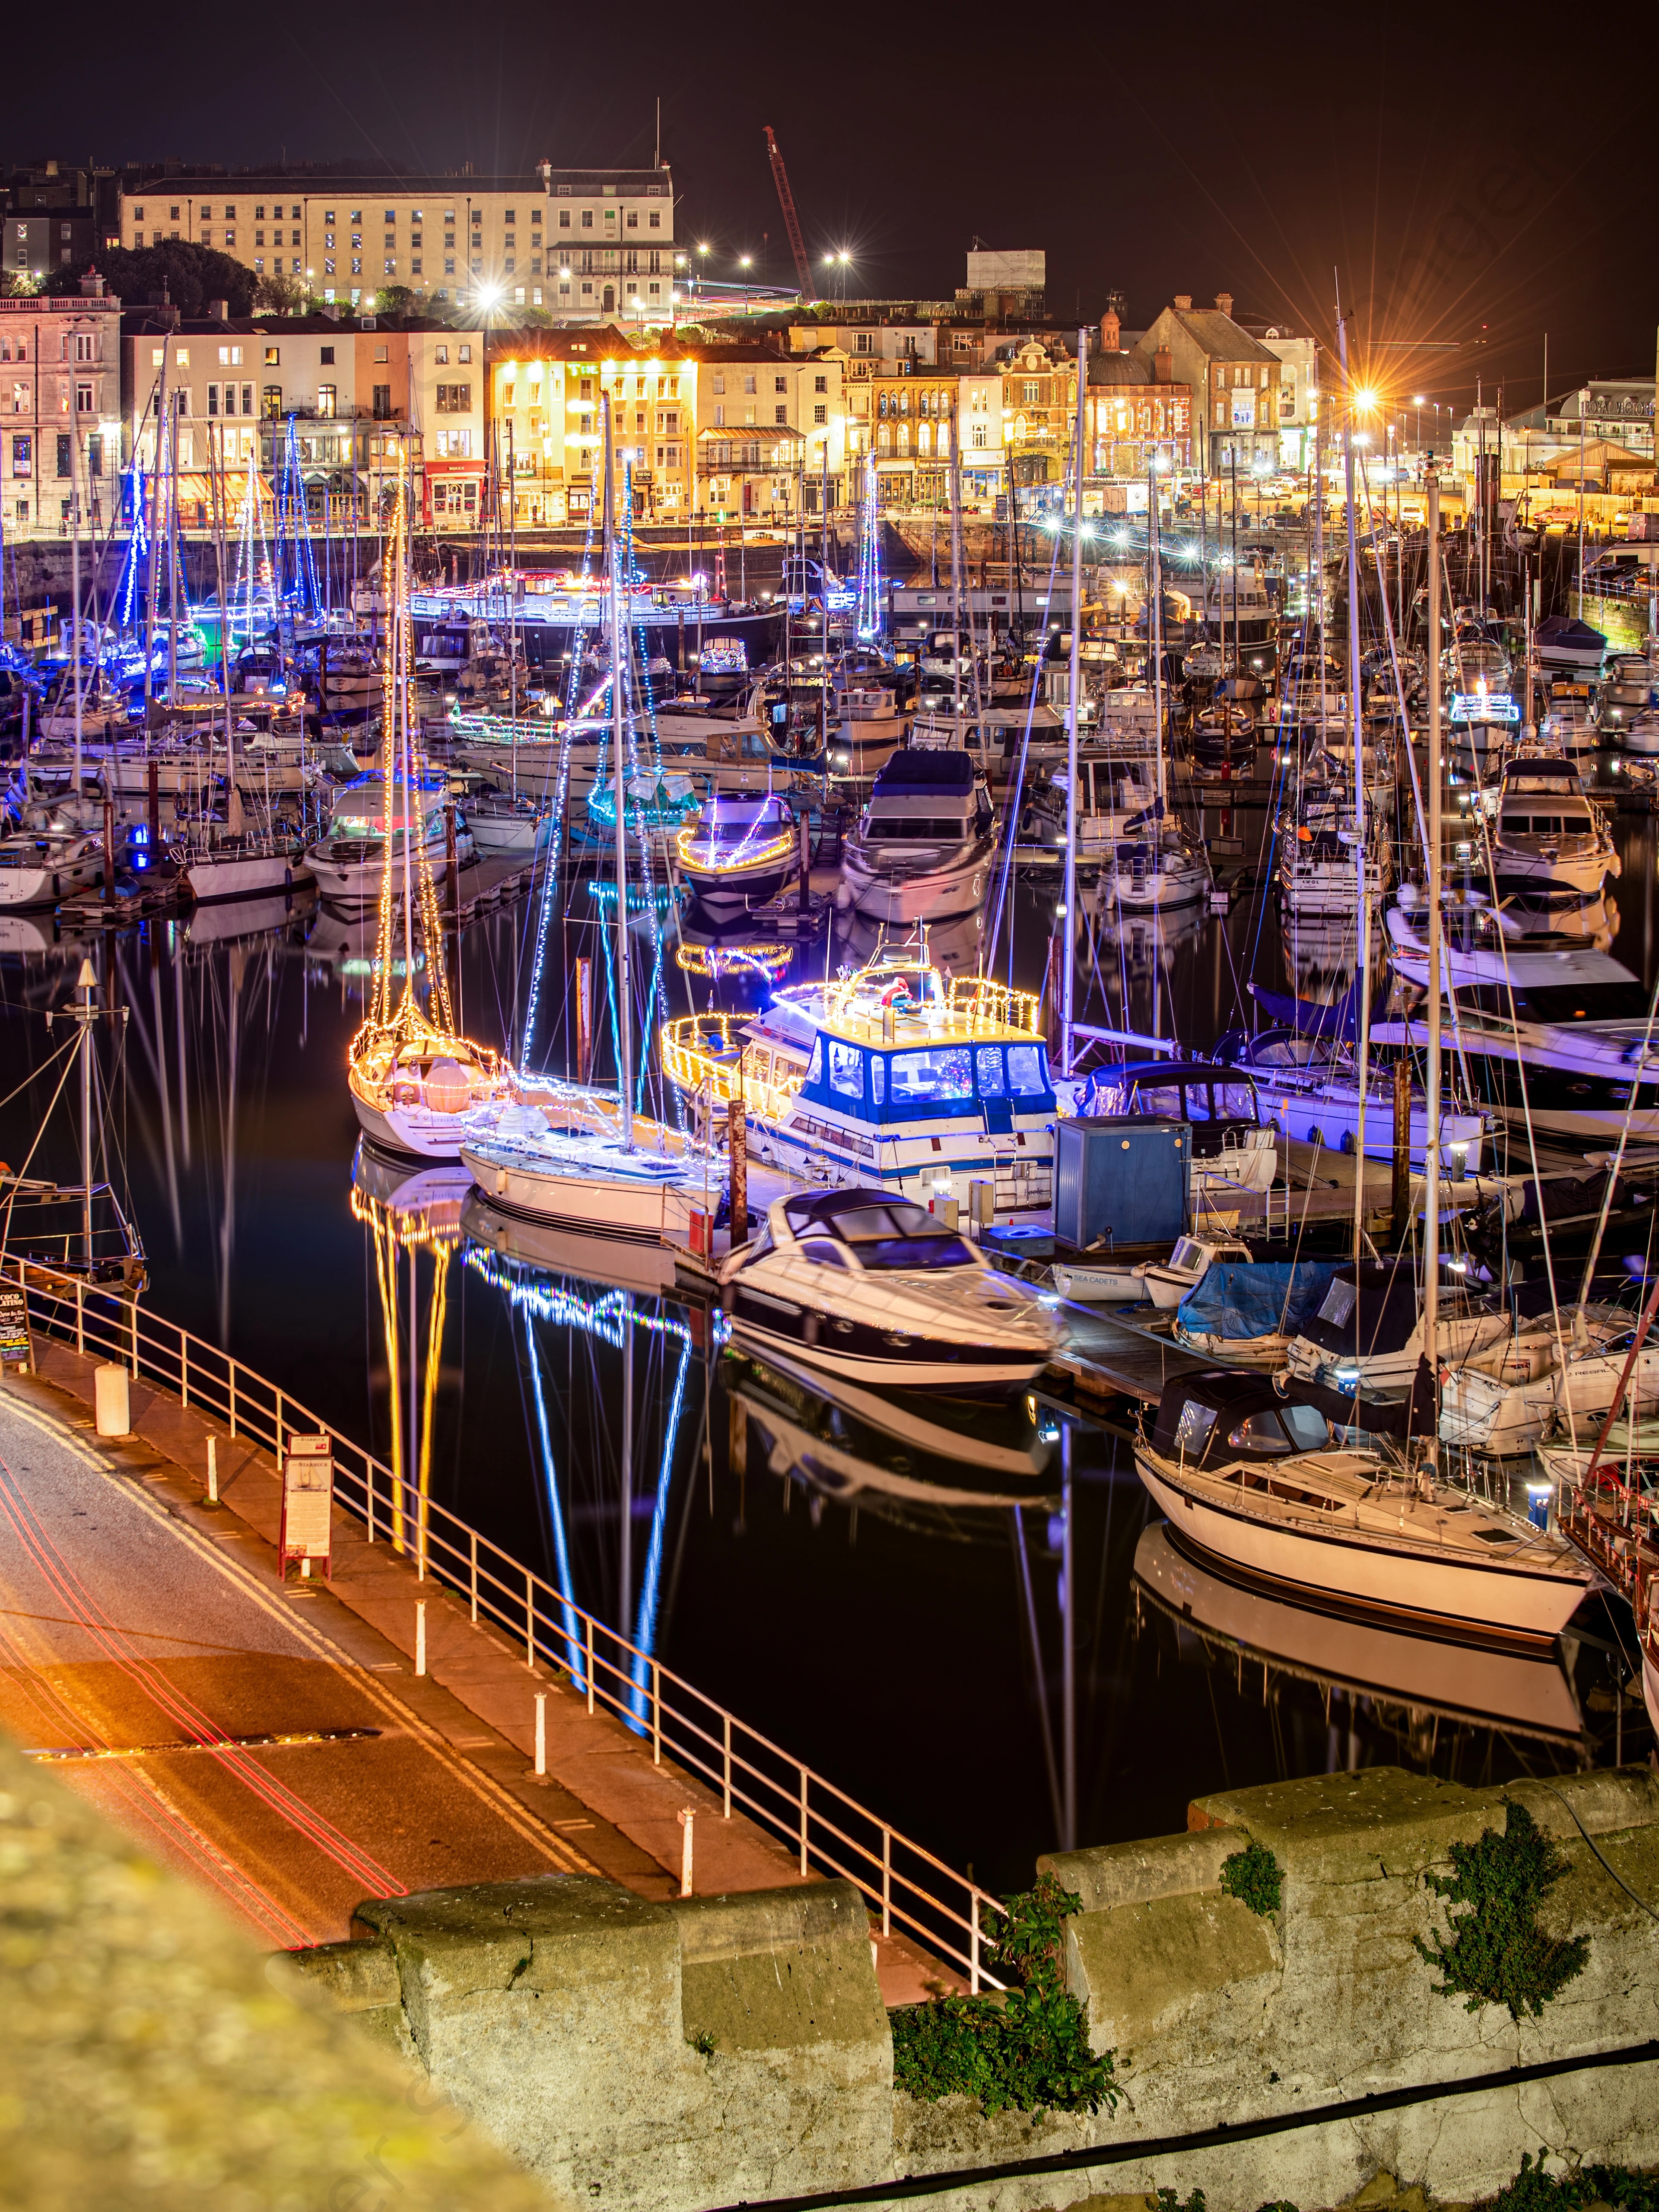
[{"x": 213, "y": 1721}]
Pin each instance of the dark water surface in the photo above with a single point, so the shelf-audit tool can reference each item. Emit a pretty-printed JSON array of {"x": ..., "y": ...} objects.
[{"x": 834, "y": 1582}]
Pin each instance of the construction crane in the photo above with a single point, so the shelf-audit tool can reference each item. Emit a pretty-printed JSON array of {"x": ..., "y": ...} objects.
[{"x": 791, "y": 222}]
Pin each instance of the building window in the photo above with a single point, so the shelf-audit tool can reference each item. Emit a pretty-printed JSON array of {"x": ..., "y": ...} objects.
[
  {"x": 463, "y": 351},
  {"x": 653, "y": 221},
  {"x": 779, "y": 414},
  {"x": 564, "y": 218},
  {"x": 449, "y": 264},
  {"x": 588, "y": 218},
  {"x": 83, "y": 399},
  {"x": 383, "y": 403},
  {"x": 22, "y": 450},
  {"x": 748, "y": 386},
  {"x": 456, "y": 398},
  {"x": 821, "y": 415},
  {"x": 328, "y": 268},
  {"x": 273, "y": 402},
  {"x": 325, "y": 400},
  {"x": 820, "y": 384},
  {"x": 357, "y": 267},
  {"x": 66, "y": 454}
]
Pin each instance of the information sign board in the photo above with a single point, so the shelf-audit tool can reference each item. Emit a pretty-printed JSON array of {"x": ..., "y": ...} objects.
[
  {"x": 14, "y": 1342},
  {"x": 308, "y": 1502}
]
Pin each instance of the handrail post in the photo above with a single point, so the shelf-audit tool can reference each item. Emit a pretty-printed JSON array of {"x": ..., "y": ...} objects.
[
  {"x": 726, "y": 1782},
  {"x": 233, "y": 1397},
  {"x": 803, "y": 1821},
  {"x": 589, "y": 1618},
  {"x": 277, "y": 1441},
  {"x": 184, "y": 1367},
  {"x": 134, "y": 1309},
  {"x": 80, "y": 1316},
  {"x": 474, "y": 1536},
  {"x": 656, "y": 1714},
  {"x": 886, "y": 1880},
  {"x": 529, "y": 1619},
  {"x": 973, "y": 1942}
]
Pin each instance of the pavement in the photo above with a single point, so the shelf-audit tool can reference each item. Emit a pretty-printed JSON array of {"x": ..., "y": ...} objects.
[{"x": 270, "y": 1739}]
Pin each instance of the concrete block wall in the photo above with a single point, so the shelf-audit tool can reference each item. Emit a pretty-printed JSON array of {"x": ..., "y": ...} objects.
[
  {"x": 566, "y": 2014},
  {"x": 563, "y": 2016}
]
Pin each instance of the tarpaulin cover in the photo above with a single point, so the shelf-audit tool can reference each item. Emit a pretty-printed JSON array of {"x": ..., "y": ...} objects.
[
  {"x": 1238, "y": 1298},
  {"x": 1340, "y": 1021}
]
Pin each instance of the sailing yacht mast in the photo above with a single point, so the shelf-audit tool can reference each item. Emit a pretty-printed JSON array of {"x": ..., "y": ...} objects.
[
  {"x": 1362, "y": 918},
  {"x": 1069, "y": 917},
  {"x": 1431, "y": 860},
  {"x": 624, "y": 980},
  {"x": 1155, "y": 636}
]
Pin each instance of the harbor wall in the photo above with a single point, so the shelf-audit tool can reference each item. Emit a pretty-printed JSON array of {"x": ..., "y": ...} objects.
[{"x": 714, "y": 2050}]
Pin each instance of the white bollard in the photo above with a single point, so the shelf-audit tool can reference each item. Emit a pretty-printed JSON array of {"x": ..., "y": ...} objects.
[
  {"x": 687, "y": 1817},
  {"x": 541, "y": 1731},
  {"x": 420, "y": 1636},
  {"x": 109, "y": 1386},
  {"x": 213, "y": 1471}
]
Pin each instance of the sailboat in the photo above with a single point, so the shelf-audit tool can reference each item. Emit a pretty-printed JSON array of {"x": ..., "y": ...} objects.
[
  {"x": 578, "y": 1156},
  {"x": 413, "y": 1081}
]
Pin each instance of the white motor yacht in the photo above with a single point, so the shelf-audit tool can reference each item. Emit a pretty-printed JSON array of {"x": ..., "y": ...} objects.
[
  {"x": 925, "y": 842},
  {"x": 878, "y": 1288},
  {"x": 739, "y": 852},
  {"x": 1256, "y": 1479},
  {"x": 506, "y": 825},
  {"x": 868, "y": 725},
  {"x": 1367, "y": 1338},
  {"x": 350, "y": 862},
  {"x": 1156, "y": 870},
  {"x": 1503, "y": 1400},
  {"x": 1165, "y": 1282},
  {"x": 1550, "y": 839}
]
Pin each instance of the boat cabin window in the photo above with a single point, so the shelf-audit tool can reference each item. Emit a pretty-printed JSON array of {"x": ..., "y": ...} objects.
[
  {"x": 1309, "y": 1429},
  {"x": 824, "y": 1253},
  {"x": 901, "y": 1235},
  {"x": 814, "y": 1070},
  {"x": 878, "y": 1079},
  {"x": 1339, "y": 1302},
  {"x": 988, "y": 1067},
  {"x": 1026, "y": 1074},
  {"x": 1543, "y": 825},
  {"x": 928, "y": 830},
  {"x": 942, "y": 1072},
  {"x": 846, "y": 1069},
  {"x": 1188, "y": 1252},
  {"x": 1193, "y": 1429},
  {"x": 1560, "y": 1002},
  {"x": 1259, "y": 1432}
]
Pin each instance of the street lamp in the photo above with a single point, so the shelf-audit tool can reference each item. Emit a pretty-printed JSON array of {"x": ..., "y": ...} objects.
[{"x": 743, "y": 260}]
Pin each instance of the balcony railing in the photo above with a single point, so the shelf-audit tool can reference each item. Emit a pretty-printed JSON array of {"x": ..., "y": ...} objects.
[{"x": 904, "y": 1885}]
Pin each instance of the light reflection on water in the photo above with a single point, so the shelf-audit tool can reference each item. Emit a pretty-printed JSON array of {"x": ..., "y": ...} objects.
[{"x": 881, "y": 1594}]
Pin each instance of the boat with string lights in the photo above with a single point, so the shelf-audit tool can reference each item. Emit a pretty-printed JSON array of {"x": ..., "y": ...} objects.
[
  {"x": 894, "y": 1077},
  {"x": 384, "y": 828},
  {"x": 738, "y": 852},
  {"x": 415, "y": 1079}
]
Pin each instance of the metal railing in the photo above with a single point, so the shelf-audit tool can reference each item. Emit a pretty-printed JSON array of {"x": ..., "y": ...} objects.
[{"x": 906, "y": 1888}]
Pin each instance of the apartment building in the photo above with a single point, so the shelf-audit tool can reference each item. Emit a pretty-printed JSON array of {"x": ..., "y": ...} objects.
[
  {"x": 772, "y": 432},
  {"x": 60, "y": 396},
  {"x": 1135, "y": 416},
  {"x": 586, "y": 245},
  {"x": 547, "y": 390},
  {"x": 354, "y": 402}
]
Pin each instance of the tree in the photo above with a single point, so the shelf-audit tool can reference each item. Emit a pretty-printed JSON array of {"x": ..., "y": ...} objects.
[
  {"x": 190, "y": 275},
  {"x": 394, "y": 299},
  {"x": 283, "y": 296}
]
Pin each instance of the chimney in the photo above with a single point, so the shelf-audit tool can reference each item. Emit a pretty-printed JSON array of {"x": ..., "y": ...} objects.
[
  {"x": 1183, "y": 301},
  {"x": 218, "y": 311},
  {"x": 1111, "y": 333},
  {"x": 1224, "y": 301},
  {"x": 92, "y": 285},
  {"x": 1162, "y": 366},
  {"x": 330, "y": 310}
]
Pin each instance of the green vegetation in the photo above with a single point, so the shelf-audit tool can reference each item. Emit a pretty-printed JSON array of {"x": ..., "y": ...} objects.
[
  {"x": 1534, "y": 2190},
  {"x": 702, "y": 2043},
  {"x": 1254, "y": 1877},
  {"x": 1026, "y": 2050},
  {"x": 189, "y": 275},
  {"x": 1497, "y": 1952}
]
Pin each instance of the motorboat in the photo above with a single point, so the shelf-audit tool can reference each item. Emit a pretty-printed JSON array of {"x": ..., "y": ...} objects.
[
  {"x": 1157, "y": 870},
  {"x": 1112, "y": 794},
  {"x": 351, "y": 861},
  {"x": 893, "y": 1076},
  {"x": 233, "y": 865},
  {"x": 1165, "y": 1282},
  {"x": 1564, "y": 1038},
  {"x": 1258, "y": 1480},
  {"x": 1319, "y": 868},
  {"x": 1550, "y": 839},
  {"x": 57, "y": 850},
  {"x": 925, "y": 841},
  {"x": 1627, "y": 694},
  {"x": 739, "y": 852},
  {"x": 1640, "y": 734},
  {"x": 877, "y": 1289},
  {"x": 657, "y": 804},
  {"x": 1562, "y": 641},
  {"x": 509, "y": 825},
  {"x": 1570, "y": 724},
  {"x": 866, "y": 728}
]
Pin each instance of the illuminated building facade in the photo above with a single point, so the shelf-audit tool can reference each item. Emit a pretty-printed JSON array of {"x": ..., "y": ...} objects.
[
  {"x": 546, "y": 392},
  {"x": 60, "y": 398},
  {"x": 1234, "y": 380},
  {"x": 1134, "y": 416},
  {"x": 772, "y": 432},
  {"x": 587, "y": 245}
]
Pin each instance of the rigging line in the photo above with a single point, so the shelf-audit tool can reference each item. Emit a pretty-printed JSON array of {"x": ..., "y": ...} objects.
[
  {"x": 36, "y": 1072},
  {"x": 5, "y": 1232},
  {"x": 651, "y": 1574},
  {"x": 560, "y": 1546},
  {"x": 1013, "y": 813}
]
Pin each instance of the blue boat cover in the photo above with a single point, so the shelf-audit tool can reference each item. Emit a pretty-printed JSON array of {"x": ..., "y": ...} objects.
[
  {"x": 1238, "y": 1298},
  {"x": 912, "y": 769},
  {"x": 1340, "y": 1021}
]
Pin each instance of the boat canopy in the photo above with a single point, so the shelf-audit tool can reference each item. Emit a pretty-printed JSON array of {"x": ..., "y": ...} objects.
[
  {"x": 1209, "y": 1418},
  {"x": 1241, "y": 1298},
  {"x": 1173, "y": 1090},
  {"x": 949, "y": 1077},
  {"x": 915, "y": 771}
]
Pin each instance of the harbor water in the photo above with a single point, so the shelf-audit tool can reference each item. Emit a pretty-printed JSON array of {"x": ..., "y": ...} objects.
[{"x": 973, "y": 1624}]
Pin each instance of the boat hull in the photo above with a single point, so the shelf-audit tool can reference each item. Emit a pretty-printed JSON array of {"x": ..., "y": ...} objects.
[
  {"x": 907, "y": 896},
  {"x": 250, "y": 876},
  {"x": 610, "y": 1205},
  {"x": 1407, "y": 1581},
  {"x": 964, "y": 1368},
  {"x": 417, "y": 1133}
]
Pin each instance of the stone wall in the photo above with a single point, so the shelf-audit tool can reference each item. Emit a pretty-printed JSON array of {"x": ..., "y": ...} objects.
[{"x": 725, "y": 2049}]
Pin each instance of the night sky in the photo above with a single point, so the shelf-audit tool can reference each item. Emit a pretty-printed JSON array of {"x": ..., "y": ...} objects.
[{"x": 1480, "y": 177}]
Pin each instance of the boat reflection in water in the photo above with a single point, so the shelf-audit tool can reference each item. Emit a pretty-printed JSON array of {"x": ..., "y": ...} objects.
[
  {"x": 1429, "y": 1701},
  {"x": 947, "y": 1467}
]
